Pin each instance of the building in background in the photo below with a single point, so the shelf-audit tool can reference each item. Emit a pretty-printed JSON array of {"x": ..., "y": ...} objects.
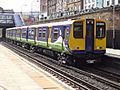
[
  {"x": 74, "y": 5},
  {"x": 90, "y": 4},
  {"x": 43, "y": 9},
  {"x": 58, "y": 8},
  {"x": 108, "y": 3},
  {"x": 59, "y": 5},
  {"x": 65, "y": 5},
  {"x": 51, "y": 7}
]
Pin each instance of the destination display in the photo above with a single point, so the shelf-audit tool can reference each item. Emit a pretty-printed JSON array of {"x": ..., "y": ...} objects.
[
  {"x": 100, "y": 23},
  {"x": 78, "y": 23}
]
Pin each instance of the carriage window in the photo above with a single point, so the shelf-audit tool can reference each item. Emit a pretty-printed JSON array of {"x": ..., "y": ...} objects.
[
  {"x": 14, "y": 32},
  {"x": 66, "y": 34},
  {"x": 7, "y": 31},
  {"x": 39, "y": 33},
  {"x": 17, "y": 32},
  {"x": 31, "y": 33},
  {"x": 78, "y": 30},
  {"x": 44, "y": 33},
  {"x": 11, "y": 34},
  {"x": 24, "y": 32},
  {"x": 55, "y": 33},
  {"x": 7, "y": 35},
  {"x": 100, "y": 30}
]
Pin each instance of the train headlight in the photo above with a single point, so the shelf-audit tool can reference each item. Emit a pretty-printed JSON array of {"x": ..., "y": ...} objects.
[
  {"x": 76, "y": 48},
  {"x": 99, "y": 47}
]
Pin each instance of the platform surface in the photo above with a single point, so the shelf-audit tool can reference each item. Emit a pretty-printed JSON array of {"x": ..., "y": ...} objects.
[
  {"x": 11, "y": 76},
  {"x": 17, "y": 74},
  {"x": 113, "y": 52}
]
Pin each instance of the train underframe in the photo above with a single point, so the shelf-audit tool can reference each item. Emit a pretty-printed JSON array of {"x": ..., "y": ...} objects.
[{"x": 61, "y": 57}]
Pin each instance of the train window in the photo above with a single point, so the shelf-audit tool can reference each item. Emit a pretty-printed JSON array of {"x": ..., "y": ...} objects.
[
  {"x": 14, "y": 33},
  {"x": 78, "y": 30},
  {"x": 10, "y": 31},
  {"x": 24, "y": 32},
  {"x": 66, "y": 34},
  {"x": 7, "y": 33},
  {"x": 18, "y": 33},
  {"x": 31, "y": 33},
  {"x": 55, "y": 33},
  {"x": 39, "y": 33},
  {"x": 43, "y": 33},
  {"x": 100, "y": 30}
]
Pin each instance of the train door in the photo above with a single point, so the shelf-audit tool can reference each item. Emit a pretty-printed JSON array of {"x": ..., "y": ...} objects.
[
  {"x": 66, "y": 34},
  {"x": 89, "y": 35}
]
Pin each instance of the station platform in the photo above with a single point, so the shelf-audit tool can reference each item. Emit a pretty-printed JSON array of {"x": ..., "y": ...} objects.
[
  {"x": 113, "y": 52},
  {"x": 16, "y": 73}
]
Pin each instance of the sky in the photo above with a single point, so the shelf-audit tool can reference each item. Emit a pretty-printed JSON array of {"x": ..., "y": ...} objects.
[{"x": 20, "y": 5}]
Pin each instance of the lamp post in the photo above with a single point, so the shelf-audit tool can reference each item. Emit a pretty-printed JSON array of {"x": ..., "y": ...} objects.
[{"x": 113, "y": 41}]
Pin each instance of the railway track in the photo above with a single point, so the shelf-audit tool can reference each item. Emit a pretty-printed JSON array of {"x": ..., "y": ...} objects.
[
  {"x": 106, "y": 72},
  {"x": 78, "y": 79}
]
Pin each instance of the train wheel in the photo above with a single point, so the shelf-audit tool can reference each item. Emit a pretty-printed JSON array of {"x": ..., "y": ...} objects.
[
  {"x": 65, "y": 59},
  {"x": 23, "y": 45},
  {"x": 39, "y": 50},
  {"x": 32, "y": 49},
  {"x": 61, "y": 58},
  {"x": 70, "y": 60}
]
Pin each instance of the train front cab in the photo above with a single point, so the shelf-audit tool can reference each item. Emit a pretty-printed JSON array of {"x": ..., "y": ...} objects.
[{"x": 88, "y": 39}]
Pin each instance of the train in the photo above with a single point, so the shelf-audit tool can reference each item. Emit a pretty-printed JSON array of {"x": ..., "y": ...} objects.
[{"x": 70, "y": 41}]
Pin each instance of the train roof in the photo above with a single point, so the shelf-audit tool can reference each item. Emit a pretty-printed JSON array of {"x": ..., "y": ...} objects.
[
  {"x": 68, "y": 22},
  {"x": 17, "y": 27},
  {"x": 46, "y": 24},
  {"x": 53, "y": 24}
]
